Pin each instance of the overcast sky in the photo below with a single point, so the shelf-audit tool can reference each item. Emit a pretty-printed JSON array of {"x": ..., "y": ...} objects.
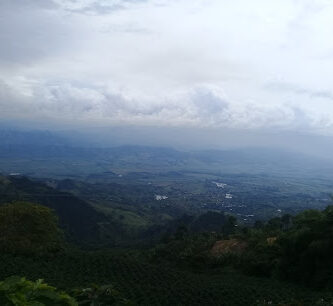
[{"x": 184, "y": 63}]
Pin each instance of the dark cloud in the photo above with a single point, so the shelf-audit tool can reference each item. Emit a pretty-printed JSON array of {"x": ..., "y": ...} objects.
[{"x": 22, "y": 5}]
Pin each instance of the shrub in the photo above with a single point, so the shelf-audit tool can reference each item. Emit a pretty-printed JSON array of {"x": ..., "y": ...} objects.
[{"x": 20, "y": 292}]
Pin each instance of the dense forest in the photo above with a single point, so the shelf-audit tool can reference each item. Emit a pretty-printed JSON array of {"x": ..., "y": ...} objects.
[{"x": 207, "y": 258}]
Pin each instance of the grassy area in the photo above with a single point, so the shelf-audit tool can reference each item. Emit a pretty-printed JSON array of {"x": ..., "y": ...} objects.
[{"x": 126, "y": 217}]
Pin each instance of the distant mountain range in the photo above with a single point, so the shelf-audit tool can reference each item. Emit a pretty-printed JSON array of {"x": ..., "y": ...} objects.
[
  {"x": 38, "y": 138},
  {"x": 42, "y": 153}
]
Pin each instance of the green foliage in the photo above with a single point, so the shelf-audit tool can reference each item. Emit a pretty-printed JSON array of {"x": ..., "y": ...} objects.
[
  {"x": 186, "y": 249},
  {"x": 296, "y": 248},
  {"x": 259, "y": 260},
  {"x": 100, "y": 296},
  {"x": 17, "y": 291},
  {"x": 77, "y": 218},
  {"x": 307, "y": 249},
  {"x": 28, "y": 228},
  {"x": 161, "y": 283}
]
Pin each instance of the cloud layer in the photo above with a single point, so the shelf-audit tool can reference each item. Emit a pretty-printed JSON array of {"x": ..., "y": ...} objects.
[{"x": 202, "y": 63}]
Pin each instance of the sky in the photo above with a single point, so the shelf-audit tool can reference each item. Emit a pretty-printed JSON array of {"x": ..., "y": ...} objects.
[{"x": 204, "y": 64}]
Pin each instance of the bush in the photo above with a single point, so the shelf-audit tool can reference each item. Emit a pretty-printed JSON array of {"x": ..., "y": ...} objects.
[
  {"x": 20, "y": 292},
  {"x": 100, "y": 295}
]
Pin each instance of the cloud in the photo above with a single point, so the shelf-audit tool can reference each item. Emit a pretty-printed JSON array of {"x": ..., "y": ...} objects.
[
  {"x": 312, "y": 93},
  {"x": 201, "y": 107},
  {"x": 100, "y": 7},
  {"x": 195, "y": 63}
]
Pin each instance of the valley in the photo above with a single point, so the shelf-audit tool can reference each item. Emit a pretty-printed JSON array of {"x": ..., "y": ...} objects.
[{"x": 146, "y": 220}]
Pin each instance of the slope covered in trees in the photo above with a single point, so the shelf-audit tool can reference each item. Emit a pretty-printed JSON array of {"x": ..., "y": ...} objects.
[
  {"x": 181, "y": 270},
  {"x": 298, "y": 248},
  {"x": 283, "y": 261},
  {"x": 27, "y": 228},
  {"x": 78, "y": 219}
]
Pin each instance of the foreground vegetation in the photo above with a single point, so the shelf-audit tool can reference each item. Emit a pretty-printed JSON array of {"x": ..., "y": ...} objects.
[
  {"x": 154, "y": 284},
  {"x": 297, "y": 249},
  {"x": 285, "y": 261},
  {"x": 21, "y": 292}
]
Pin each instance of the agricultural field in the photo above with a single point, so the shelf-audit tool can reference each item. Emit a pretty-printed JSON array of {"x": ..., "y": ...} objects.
[{"x": 145, "y": 283}]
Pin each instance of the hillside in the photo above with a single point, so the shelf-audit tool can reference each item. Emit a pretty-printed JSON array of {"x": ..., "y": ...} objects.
[{"x": 79, "y": 219}]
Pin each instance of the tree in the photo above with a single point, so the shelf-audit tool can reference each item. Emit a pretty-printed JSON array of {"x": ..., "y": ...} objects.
[{"x": 29, "y": 229}]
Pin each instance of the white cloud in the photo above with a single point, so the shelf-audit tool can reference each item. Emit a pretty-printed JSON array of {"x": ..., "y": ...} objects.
[{"x": 157, "y": 62}]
